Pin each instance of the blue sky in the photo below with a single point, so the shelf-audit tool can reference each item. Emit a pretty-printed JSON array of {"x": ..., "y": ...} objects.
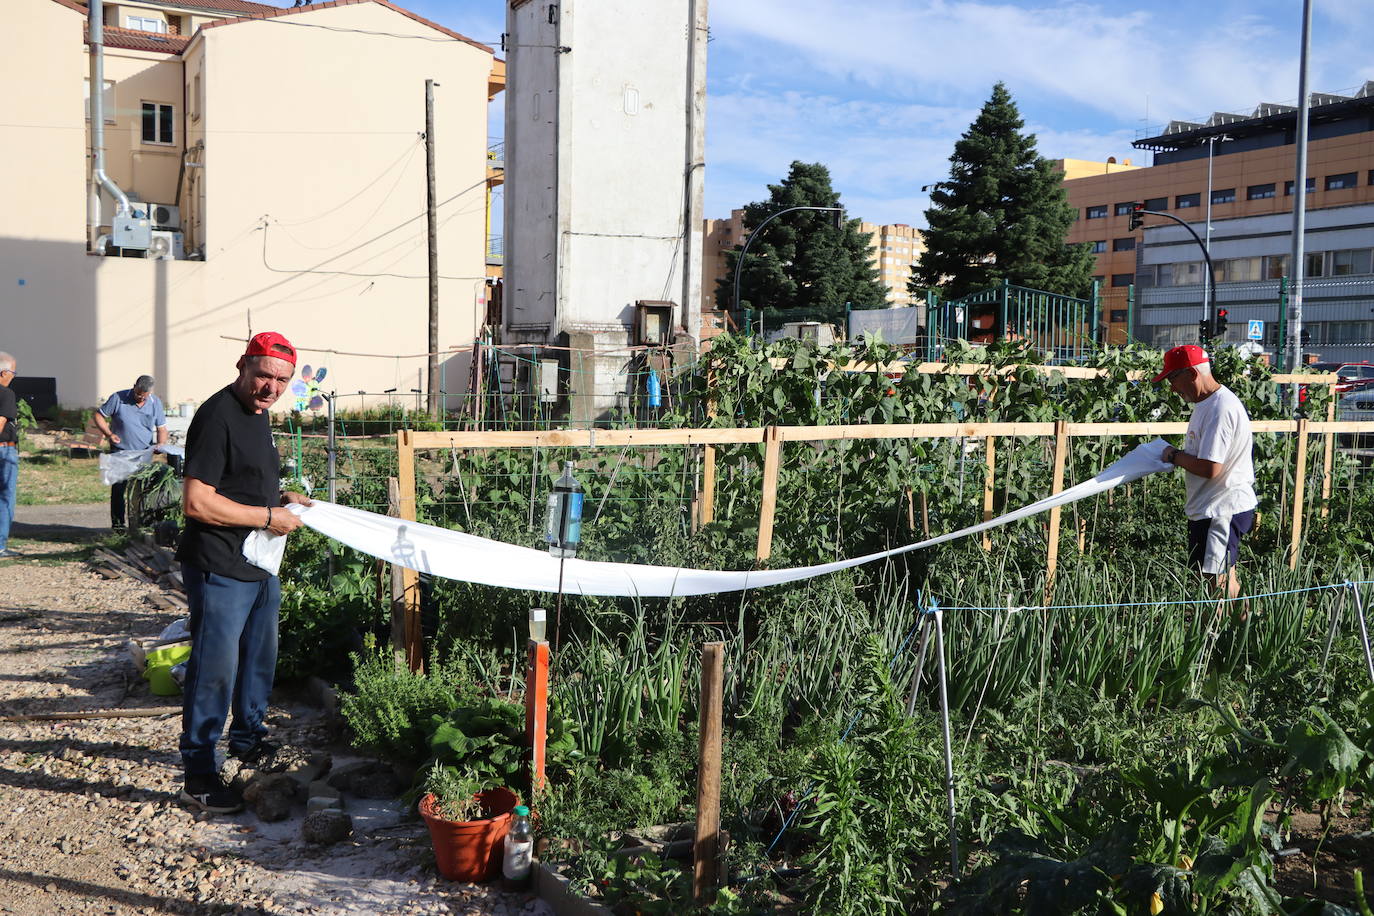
[{"x": 879, "y": 90}]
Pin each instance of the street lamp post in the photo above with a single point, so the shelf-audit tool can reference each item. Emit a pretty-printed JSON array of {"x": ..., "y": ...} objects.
[
  {"x": 1209, "y": 296},
  {"x": 1210, "y": 281},
  {"x": 739, "y": 262}
]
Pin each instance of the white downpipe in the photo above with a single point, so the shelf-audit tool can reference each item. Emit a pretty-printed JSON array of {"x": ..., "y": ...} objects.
[{"x": 98, "y": 177}]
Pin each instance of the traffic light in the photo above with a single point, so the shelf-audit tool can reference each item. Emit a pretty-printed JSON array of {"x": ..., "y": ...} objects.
[
  {"x": 1220, "y": 329},
  {"x": 1204, "y": 329},
  {"x": 1137, "y": 215}
]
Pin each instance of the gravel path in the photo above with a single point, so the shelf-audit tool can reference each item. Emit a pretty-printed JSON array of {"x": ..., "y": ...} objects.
[{"x": 89, "y": 821}]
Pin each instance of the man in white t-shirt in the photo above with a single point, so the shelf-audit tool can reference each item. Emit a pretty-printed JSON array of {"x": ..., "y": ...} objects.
[{"x": 1216, "y": 454}]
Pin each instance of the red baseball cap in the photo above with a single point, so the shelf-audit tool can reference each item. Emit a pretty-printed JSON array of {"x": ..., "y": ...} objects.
[
  {"x": 270, "y": 343},
  {"x": 1184, "y": 357}
]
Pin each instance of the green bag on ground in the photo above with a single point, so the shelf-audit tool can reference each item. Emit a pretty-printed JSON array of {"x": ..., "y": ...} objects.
[{"x": 158, "y": 669}]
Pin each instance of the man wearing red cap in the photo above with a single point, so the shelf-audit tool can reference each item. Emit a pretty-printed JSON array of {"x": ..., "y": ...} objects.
[
  {"x": 232, "y": 486},
  {"x": 1220, "y": 480}
]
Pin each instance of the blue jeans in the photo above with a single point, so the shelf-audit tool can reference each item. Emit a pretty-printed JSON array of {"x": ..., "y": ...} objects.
[
  {"x": 233, "y": 660},
  {"x": 9, "y": 488}
]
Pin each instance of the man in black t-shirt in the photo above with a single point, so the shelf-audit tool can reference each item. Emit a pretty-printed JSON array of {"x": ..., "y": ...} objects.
[
  {"x": 232, "y": 486},
  {"x": 9, "y": 453}
]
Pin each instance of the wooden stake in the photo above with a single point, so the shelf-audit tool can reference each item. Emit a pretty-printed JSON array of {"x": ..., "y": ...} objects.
[
  {"x": 990, "y": 446},
  {"x": 1061, "y": 454},
  {"x": 398, "y": 585},
  {"x": 706, "y": 844},
  {"x": 708, "y": 485},
  {"x": 1328, "y": 454},
  {"x": 405, "y": 481},
  {"x": 1299, "y": 486},
  {"x": 768, "y": 506},
  {"x": 537, "y": 708}
]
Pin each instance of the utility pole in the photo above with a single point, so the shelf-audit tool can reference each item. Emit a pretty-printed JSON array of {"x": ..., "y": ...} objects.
[
  {"x": 1300, "y": 195},
  {"x": 433, "y": 223}
]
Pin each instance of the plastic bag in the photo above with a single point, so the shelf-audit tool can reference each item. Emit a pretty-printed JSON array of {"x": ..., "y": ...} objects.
[
  {"x": 117, "y": 467},
  {"x": 176, "y": 630},
  {"x": 264, "y": 549}
]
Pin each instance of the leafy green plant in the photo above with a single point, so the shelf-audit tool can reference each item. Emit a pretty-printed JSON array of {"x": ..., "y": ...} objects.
[
  {"x": 390, "y": 708},
  {"x": 456, "y": 793}
]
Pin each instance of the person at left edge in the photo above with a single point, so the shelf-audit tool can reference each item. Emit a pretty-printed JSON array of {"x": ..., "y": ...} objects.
[
  {"x": 9, "y": 453},
  {"x": 131, "y": 421},
  {"x": 232, "y": 486}
]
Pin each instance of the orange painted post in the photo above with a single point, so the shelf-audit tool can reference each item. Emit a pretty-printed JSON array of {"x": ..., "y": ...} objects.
[{"x": 537, "y": 707}]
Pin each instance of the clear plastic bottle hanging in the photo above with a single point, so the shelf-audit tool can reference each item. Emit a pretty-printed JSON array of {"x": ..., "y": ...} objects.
[{"x": 563, "y": 520}]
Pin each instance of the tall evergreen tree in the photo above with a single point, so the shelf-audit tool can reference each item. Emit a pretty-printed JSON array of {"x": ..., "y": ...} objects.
[
  {"x": 1002, "y": 215},
  {"x": 803, "y": 260}
]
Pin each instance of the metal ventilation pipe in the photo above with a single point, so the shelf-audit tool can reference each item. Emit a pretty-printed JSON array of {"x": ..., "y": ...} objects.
[{"x": 99, "y": 179}]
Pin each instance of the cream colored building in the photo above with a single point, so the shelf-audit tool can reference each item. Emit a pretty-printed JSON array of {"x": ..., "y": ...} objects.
[
  {"x": 286, "y": 149},
  {"x": 895, "y": 248}
]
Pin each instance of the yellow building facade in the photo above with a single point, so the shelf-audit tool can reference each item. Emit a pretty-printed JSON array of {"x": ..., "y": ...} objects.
[{"x": 282, "y": 150}]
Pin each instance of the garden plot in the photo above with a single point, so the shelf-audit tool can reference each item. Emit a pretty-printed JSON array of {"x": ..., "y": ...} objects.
[{"x": 1113, "y": 735}]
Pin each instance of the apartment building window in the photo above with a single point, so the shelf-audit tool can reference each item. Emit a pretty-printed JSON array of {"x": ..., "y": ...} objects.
[
  {"x": 1240, "y": 270},
  {"x": 1164, "y": 275},
  {"x": 1125, "y": 209},
  {"x": 1123, "y": 279},
  {"x": 1184, "y": 201},
  {"x": 198, "y": 102},
  {"x": 157, "y": 122},
  {"x": 1342, "y": 181},
  {"x": 1350, "y": 261},
  {"x": 1187, "y": 274},
  {"x": 1224, "y": 196},
  {"x": 1349, "y": 332},
  {"x": 1098, "y": 212},
  {"x": 1099, "y": 246},
  {"x": 1316, "y": 262},
  {"x": 106, "y": 99},
  {"x": 1126, "y": 244},
  {"x": 1275, "y": 266},
  {"x": 1157, "y": 203},
  {"x": 1118, "y": 316},
  {"x": 1288, "y": 187},
  {"x": 1259, "y": 191},
  {"x": 1371, "y": 176},
  {"x": 145, "y": 24}
]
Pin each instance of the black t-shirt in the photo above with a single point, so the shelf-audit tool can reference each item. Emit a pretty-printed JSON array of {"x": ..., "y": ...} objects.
[
  {"x": 229, "y": 448},
  {"x": 9, "y": 409}
]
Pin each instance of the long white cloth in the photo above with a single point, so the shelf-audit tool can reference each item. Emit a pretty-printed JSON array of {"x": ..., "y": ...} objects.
[{"x": 468, "y": 558}]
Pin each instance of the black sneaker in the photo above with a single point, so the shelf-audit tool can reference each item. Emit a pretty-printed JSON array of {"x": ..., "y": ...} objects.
[
  {"x": 262, "y": 756},
  {"x": 208, "y": 792}
]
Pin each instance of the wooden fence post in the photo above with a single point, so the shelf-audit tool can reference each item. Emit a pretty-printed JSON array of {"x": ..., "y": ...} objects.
[
  {"x": 706, "y": 842},
  {"x": 1061, "y": 454},
  {"x": 398, "y": 585},
  {"x": 769, "y": 504},
  {"x": 1328, "y": 453},
  {"x": 1299, "y": 488},
  {"x": 405, "y": 482},
  {"x": 537, "y": 707},
  {"x": 990, "y": 445},
  {"x": 708, "y": 485}
]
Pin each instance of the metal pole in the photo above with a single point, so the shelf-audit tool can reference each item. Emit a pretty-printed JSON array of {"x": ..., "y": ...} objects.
[
  {"x": 1300, "y": 195},
  {"x": 1130, "y": 313},
  {"x": 1206, "y": 257},
  {"x": 558, "y": 608},
  {"x": 331, "y": 449},
  {"x": 433, "y": 232},
  {"x": 1207, "y": 244},
  {"x": 1281, "y": 350},
  {"x": 949, "y": 754},
  {"x": 1336, "y": 609},
  {"x": 1364, "y": 631}
]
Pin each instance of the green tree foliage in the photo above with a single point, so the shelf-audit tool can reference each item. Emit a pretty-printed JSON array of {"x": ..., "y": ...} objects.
[
  {"x": 1002, "y": 215},
  {"x": 803, "y": 260}
]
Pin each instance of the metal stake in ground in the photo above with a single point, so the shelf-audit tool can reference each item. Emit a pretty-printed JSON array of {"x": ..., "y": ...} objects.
[
  {"x": 944, "y": 727},
  {"x": 1364, "y": 630}
]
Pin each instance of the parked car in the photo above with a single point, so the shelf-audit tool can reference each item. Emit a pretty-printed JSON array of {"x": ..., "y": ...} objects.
[
  {"x": 1357, "y": 405},
  {"x": 1352, "y": 376}
]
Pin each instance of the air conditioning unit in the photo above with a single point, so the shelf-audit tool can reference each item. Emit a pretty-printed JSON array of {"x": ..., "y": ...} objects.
[
  {"x": 165, "y": 216},
  {"x": 166, "y": 246}
]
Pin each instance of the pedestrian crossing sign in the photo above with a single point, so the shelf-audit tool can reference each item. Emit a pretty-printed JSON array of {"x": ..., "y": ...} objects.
[{"x": 1256, "y": 331}]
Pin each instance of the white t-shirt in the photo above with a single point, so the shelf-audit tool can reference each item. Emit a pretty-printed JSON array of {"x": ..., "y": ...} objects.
[{"x": 1220, "y": 431}]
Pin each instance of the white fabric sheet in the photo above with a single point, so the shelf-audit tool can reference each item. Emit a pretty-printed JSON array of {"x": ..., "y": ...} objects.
[{"x": 467, "y": 558}]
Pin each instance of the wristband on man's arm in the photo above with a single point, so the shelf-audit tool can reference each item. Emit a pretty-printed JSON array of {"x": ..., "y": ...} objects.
[{"x": 269, "y": 517}]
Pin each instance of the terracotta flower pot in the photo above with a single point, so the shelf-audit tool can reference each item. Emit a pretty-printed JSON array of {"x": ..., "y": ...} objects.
[{"x": 470, "y": 851}]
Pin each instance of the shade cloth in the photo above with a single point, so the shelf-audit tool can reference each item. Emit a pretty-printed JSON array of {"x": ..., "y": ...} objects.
[{"x": 468, "y": 558}]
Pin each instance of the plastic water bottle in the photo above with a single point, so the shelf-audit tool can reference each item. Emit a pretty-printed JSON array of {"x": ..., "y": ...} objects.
[
  {"x": 563, "y": 522},
  {"x": 518, "y": 860}
]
